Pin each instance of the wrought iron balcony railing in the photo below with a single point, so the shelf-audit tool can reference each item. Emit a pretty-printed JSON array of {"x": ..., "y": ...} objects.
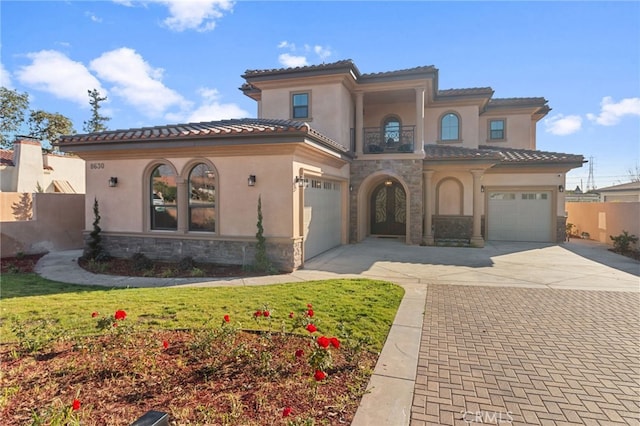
[{"x": 378, "y": 140}]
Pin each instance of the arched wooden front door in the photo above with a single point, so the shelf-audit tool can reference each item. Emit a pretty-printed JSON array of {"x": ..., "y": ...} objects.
[{"x": 388, "y": 209}]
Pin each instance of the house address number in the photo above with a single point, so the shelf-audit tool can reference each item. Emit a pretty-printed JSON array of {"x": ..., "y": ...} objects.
[{"x": 96, "y": 166}]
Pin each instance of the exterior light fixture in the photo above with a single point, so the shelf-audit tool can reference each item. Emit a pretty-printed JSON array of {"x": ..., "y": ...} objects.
[
  {"x": 113, "y": 181},
  {"x": 252, "y": 180},
  {"x": 481, "y": 188},
  {"x": 301, "y": 182},
  {"x": 388, "y": 182},
  {"x": 560, "y": 188}
]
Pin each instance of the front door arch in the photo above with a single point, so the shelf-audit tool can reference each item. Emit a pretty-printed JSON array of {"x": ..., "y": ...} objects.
[{"x": 388, "y": 206}]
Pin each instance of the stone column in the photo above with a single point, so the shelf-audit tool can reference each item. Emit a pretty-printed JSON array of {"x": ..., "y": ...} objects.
[
  {"x": 359, "y": 122},
  {"x": 183, "y": 204},
  {"x": 418, "y": 146},
  {"x": 476, "y": 237},
  {"x": 428, "y": 207}
]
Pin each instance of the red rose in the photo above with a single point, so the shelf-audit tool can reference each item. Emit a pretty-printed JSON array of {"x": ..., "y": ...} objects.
[
  {"x": 323, "y": 341},
  {"x": 290, "y": 314},
  {"x": 257, "y": 314},
  {"x": 309, "y": 305},
  {"x": 120, "y": 314},
  {"x": 75, "y": 406},
  {"x": 299, "y": 353},
  {"x": 286, "y": 412},
  {"x": 226, "y": 318},
  {"x": 319, "y": 375},
  {"x": 310, "y": 313},
  {"x": 94, "y": 314},
  {"x": 335, "y": 342},
  {"x": 311, "y": 328},
  {"x": 266, "y": 313},
  {"x": 165, "y": 344}
]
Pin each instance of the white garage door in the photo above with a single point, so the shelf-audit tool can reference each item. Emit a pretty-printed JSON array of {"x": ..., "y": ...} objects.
[
  {"x": 519, "y": 216},
  {"x": 322, "y": 217}
]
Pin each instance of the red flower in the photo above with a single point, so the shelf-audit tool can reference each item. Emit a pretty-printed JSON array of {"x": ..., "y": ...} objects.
[
  {"x": 299, "y": 353},
  {"x": 309, "y": 305},
  {"x": 120, "y": 314},
  {"x": 226, "y": 318},
  {"x": 257, "y": 314},
  {"x": 165, "y": 344},
  {"x": 310, "y": 313},
  {"x": 266, "y": 313},
  {"x": 115, "y": 324},
  {"x": 286, "y": 412},
  {"x": 94, "y": 314},
  {"x": 290, "y": 314},
  {"x": 311, "y": 328},
  {"x": 335, "y": 342},
  {"x": 75, "y": 406},
  {"x": 323, "y": 341},
  {"x": 319, "y": 375}
]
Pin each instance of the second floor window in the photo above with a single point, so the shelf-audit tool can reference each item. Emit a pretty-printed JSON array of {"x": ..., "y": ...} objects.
[
  {"x": 392, "y": 130},
  {"x": 496, "y": 129},
  {"x": 300, "y": 105},
  {"x": 450, "y": 127}
]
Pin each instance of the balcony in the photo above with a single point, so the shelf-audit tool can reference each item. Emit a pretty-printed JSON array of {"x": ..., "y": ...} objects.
[{"x": 378, "y": 140}]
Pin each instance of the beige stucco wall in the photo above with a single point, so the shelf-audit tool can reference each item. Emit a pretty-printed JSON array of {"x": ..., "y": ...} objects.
[
  {"x": 469, "y": 123},
  {"x": 376, "y": 113},
  {"x": 7, "y": 178},
  {"x": 57, "y": 224},
  {"x": 69, "y": 168},
  {"x": 601, "y": 220},
  {"x": 518, "y": 131},
  {"x": 11, "y": 206}
]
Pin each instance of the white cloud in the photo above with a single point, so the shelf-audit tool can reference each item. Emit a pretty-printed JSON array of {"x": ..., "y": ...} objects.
[
  {"x": 212, "y": 109},
  {"x": 93, "y": 17},
  {"x": 53, "y": 72},
  {"x": 199, "y": 15},
  {"x": 561, "y": 125},
  {"x": 137, "y": 82},
  {"x": 322, "y": 52},
  {"x": 286, "y": 45},
  {"x": 291, "y": 61},
  {"x": 5, "y": 77},
  {"x": 611, "y": 112}
]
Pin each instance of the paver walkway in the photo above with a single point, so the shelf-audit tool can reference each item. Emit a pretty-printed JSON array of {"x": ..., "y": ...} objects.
[{"x": 528, "y": 356}]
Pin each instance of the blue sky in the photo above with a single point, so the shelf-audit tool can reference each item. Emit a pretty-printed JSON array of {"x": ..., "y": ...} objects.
[{"x": 170, "y": 61}]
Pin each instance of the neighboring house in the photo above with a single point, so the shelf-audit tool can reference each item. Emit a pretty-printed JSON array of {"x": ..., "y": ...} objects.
[
  {"x": 577, "y": 196},
  {"x": 28, "y": 168},
  {"x": 626, "y": 192},
  {"x": 336, "y": 156}
]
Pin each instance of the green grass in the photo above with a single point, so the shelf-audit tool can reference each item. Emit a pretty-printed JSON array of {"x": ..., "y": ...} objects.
[{"x": 366, "y": 307}]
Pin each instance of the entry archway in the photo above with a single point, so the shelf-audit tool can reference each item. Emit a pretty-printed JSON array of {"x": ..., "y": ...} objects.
[{"x": 388, "y": 209}]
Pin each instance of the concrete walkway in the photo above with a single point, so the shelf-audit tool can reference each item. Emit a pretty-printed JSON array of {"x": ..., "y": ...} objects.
[{"x": 399, "y": 392}]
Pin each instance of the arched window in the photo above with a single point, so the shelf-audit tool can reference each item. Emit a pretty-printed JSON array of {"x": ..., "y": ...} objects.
[
  {"x": 202, "y": 199},
  {"x": 164, "y": 192},
  {"x": 392, "y": 130},
  {"x": 450, "y": 127}
]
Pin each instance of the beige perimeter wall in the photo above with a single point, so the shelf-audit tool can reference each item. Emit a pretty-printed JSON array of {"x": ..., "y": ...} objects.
[
  {"x": 57, "y": 222},
  {"x": 602, "y": 220}
]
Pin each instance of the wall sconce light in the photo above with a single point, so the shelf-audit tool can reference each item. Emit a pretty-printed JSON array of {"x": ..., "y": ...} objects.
[
  {"x": 350, "y": 188},
  {"x": 388, "y": 182},
  {"x": 560, "y": 188},
  {"x": 252, "y": 180},
  {"x": 302, "y": 182},
  {"x": 481, "y": 188},
  {"x": 113, "y": 182}
]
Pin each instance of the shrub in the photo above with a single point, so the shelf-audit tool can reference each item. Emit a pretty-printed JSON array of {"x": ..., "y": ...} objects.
[
  {"x": 141, "y": 262},
  {"x": 186, "y": 263},
  {"x": 622, "y": 242}
]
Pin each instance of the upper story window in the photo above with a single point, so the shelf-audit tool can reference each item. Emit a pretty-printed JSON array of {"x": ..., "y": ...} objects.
[
  {"x": 391, "y": 129},
  {"x": 496, "y": 130},
  {"x": 450, "y": 127},
  {"x": 164, "y": 193},
  {"x": 202, "y": 199},
  {"x": 300, "y": 105}
]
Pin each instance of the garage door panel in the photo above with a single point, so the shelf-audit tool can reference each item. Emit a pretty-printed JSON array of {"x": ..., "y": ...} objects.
[
  {"x": 322, "y": 217},
  {"x": 519, "y": 216}
]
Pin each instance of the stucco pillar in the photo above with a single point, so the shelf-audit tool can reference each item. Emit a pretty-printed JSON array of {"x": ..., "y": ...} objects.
[
  {"x": 359, "y": 122},
  {"x": 476, "y": 237},
  {"x": 428, "y": 207},
  {"x": 418, "y": 146},
  {"x": 183, "y": 205}
]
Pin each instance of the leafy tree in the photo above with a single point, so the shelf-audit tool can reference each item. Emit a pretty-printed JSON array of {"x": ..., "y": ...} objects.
[
  {"x": 13, "y": 106},
  {"x": 48, "y": 126},
  {"x": 97, "y": 121}
]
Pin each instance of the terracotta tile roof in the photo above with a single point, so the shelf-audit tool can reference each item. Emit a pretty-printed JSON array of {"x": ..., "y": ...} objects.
[
  {"x": 514, "y": 155},
  {"x": 6, "y": 157},
  {"x": 466, "y": 92},
  {"x": 209, "y": 129},
  {"x": 397, "y": 73},
  {"x": 501, "y": 102},
  {"x": 346, "y": 63},
  {"x": 501, "y": 155}
]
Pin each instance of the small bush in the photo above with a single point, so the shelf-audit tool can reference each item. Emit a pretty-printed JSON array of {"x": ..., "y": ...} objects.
[
  {"x": 186, "y": 263},
  {"x": 141, "y": 262},
  {"x": 622, "y": 243}
]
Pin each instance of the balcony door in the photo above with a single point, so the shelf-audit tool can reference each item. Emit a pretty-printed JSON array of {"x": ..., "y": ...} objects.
[{"x": 388, "y": 209}]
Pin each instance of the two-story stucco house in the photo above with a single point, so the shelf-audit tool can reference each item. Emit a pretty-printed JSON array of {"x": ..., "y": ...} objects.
[{"x": 336, "y": 156}]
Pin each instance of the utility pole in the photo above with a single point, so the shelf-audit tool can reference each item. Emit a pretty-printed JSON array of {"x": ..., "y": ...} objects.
[{"x": 591, "y": 185}]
